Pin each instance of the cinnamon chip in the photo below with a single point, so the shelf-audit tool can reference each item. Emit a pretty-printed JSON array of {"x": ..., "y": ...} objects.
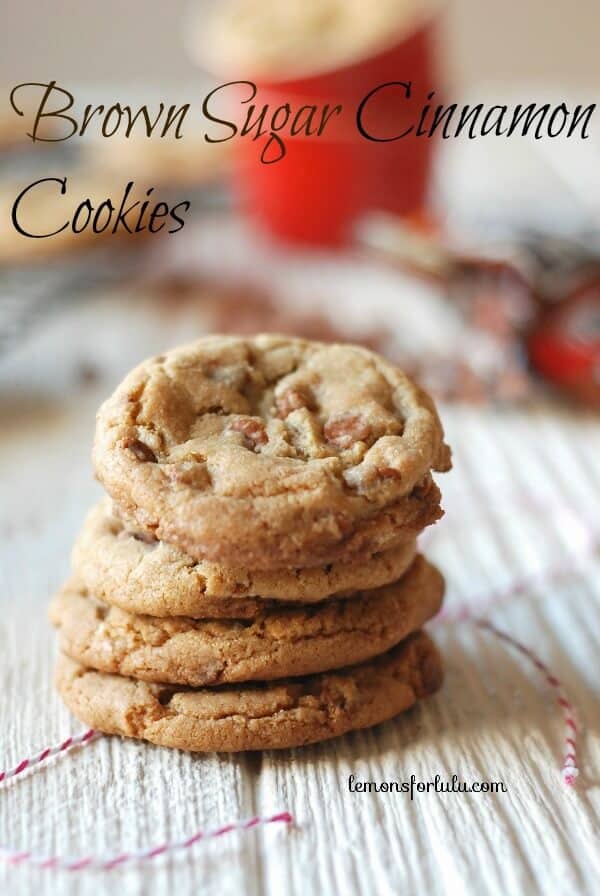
[
  {"x": 144, "y": 537},
  {"x": 293, "y": 400},
  {"x": 345, "y": 430},
  {"x": 253, "y": 430},
  {"x": 142, "y": 451}
]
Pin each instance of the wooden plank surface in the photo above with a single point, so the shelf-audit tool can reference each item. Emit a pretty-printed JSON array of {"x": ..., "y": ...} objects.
[{"x": 523, "y": 498}]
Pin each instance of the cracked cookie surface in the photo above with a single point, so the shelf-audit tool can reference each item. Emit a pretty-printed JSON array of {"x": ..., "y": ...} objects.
[
  {"x": 278, "y": 643},
  {"x": 147, "y": 576},
  {"x": 254, "y": 717},
  {"x": 268, "y": 451}
]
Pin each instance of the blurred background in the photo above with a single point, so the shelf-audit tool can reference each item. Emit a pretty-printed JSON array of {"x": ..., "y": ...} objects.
[{"x": 514, "y": 41}]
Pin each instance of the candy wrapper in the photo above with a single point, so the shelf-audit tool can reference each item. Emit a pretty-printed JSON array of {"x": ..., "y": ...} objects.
[{"x": 532, "y": 305}]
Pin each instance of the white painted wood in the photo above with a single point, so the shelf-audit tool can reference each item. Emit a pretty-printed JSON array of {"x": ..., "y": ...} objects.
[{"x": 493, "y": 720}]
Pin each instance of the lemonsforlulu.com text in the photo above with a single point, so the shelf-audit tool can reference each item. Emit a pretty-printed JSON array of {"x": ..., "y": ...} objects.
[{"x": 411, "y": 787}]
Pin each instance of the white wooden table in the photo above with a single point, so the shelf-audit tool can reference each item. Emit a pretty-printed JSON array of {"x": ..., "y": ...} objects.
[{"x": 523, "y": 498}]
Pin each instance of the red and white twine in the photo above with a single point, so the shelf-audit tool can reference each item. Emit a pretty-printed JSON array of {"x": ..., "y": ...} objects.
[
  {"x": 465, "y": 612},
  {"x": 76, "y": 740},
  {"x": 109, "y": 863},
  {"x": 569, "y": 770}
]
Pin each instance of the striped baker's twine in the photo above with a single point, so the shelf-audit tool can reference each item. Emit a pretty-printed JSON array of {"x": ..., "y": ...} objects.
[
  {"x": 77, "y": 740},
  {"x": 108, "y": 863},
  {"x": 569, "y": 770},
  {"x": 466, "y": 612}
]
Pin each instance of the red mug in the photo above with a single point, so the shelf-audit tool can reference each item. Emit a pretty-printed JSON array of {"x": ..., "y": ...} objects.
[{"x": 316, "y": 192}]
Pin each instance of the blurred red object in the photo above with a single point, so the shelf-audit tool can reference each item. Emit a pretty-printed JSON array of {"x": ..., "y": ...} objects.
[
  {"x": 534, "y": 301},
  {"x": 565, "y": 345},
  {"x": 324, "y": 183}
]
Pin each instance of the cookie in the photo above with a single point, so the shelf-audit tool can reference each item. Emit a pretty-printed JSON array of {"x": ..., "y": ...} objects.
[
  {"x": 277, "y": 644},
  {"x": 152, "y": 577},
  {"x": 167, "y": 162},
  {"x": 269, "y": 451},
  {"x": 259, "y": 716}
]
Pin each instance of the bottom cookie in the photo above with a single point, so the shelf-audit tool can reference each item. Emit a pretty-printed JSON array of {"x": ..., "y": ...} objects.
[{"x": 273, "y": 715}]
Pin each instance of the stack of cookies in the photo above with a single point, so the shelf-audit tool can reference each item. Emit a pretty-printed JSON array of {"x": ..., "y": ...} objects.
[{"x": 252, "y": 581}]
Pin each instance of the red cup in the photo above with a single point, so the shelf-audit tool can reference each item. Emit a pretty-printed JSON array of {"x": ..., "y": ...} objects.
[{"x": 323, "y": 184}]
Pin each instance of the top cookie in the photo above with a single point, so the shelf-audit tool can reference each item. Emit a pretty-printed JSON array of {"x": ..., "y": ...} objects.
[{"x": 262, "y": 451}]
